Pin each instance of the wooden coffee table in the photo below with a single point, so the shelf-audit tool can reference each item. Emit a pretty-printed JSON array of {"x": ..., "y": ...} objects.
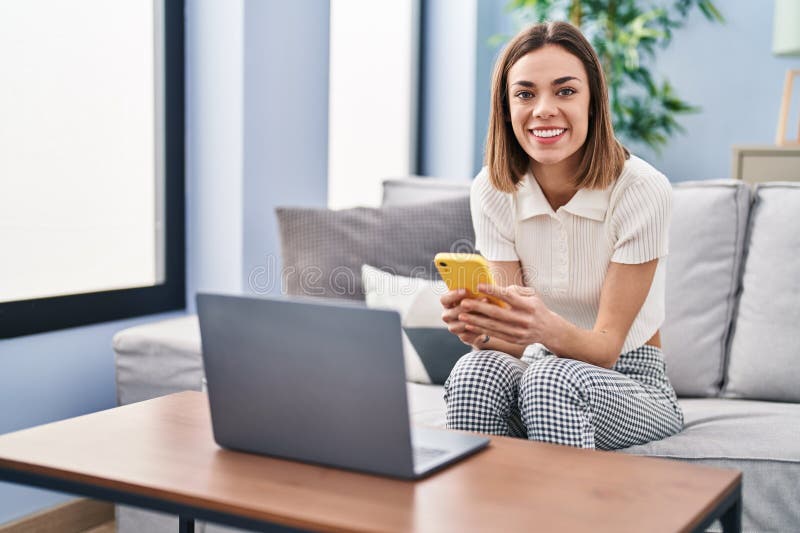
[{"x": 160, "y": 455}]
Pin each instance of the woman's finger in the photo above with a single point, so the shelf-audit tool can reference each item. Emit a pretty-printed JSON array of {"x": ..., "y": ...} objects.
[
  {"x": 487, "y": 325},
  {"x": 451, "y": 314},
  {"x": 452, "y": 298},
  {"x": 514, "y": 295},
  {"x": 457, "y": 328},
  {"x": 507, "y": 315},
  {"x": 470, "y": 339},
  {"x": 494, "y": 334}
]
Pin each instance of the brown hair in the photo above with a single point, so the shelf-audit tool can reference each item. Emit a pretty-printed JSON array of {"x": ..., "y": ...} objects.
[{"x": 603, "y": 156}]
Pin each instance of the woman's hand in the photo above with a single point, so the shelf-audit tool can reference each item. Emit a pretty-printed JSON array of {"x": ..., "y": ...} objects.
[
  {"x": 452, "y": 302},
  {"x": 525, "y": 321}
]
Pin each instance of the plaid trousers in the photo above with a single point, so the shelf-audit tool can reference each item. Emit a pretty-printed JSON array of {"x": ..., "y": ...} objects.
[{"x": 564, "y": 401}]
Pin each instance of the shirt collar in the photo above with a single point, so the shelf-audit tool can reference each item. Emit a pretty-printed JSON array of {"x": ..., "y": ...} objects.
[{"x": 587, "y": 203}]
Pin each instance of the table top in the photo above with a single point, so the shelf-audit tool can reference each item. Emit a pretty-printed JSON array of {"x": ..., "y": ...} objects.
[{"x": 163, "y": 448}]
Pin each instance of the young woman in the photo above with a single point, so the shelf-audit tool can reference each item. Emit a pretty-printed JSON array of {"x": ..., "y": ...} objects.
[{"x": 574, "y": 228}]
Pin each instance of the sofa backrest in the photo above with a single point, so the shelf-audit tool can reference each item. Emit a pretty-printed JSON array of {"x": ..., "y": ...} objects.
[
  {"x": 415, "y": 190},
  {"x": 706, "y": 270},
  {"x": 707, "y": 239}
]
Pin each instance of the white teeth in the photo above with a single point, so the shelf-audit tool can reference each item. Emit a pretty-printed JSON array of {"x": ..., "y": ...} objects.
[{"x": 547, "y": 133}]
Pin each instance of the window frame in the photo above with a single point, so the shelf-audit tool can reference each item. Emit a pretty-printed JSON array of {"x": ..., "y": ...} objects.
[{"x": 26, "y": 317}]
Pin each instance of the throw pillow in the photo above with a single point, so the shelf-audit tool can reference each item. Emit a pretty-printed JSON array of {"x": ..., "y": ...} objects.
[
  {"x": 323, "y": 249},
  {"x": 430, "y": 349}
]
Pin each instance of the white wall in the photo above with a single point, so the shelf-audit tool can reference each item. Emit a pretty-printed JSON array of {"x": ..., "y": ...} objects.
[
  {"x": 257, "y": 135},
  {"x": 214, "y": 146},
  {"x": 448, "y": 94},
  {"x": 285, "y": 126}
]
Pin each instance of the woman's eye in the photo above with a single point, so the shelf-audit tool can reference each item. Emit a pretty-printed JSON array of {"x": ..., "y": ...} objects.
[
  {"x": 525, "y": 95},
  {"x": 566, "y": 91}
]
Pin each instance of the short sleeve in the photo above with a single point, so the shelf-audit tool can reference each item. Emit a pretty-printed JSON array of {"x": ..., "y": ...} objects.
[
  {"x": 641, "y": 218},
  {"x": 493, "y": 220}
]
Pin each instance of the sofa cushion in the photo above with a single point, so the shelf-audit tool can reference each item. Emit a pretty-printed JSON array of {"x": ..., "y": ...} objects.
[
  {"x": 703, "y": 267},
  {"x": 323, "y": 250},
  {"x": 430, "y": 349},
  {"x": 765, "y": 357},
  {"x": 758, "y": 438},
  {"x": 157, "y": 359},
  {"x": 426, "y": 404}
]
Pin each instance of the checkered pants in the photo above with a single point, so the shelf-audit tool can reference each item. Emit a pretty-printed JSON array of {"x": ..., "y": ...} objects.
[{"x": 564, "y": 401}]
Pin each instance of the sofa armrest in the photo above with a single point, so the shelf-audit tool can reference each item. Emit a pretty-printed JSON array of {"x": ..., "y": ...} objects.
[{"x": 157, "y": 359}]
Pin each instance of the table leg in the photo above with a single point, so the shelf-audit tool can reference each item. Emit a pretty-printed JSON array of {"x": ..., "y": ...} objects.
[
  {"x": 186, "y": 524},
  {"x": 731, "y": 519}
]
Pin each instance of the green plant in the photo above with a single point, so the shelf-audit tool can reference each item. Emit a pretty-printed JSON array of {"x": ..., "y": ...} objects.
[{"x": 626, "y": 35}]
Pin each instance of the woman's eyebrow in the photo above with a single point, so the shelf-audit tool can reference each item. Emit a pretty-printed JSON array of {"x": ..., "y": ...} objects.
[
  {"x": 557, "y": 81},
  {"x": 565, "y": 79}
]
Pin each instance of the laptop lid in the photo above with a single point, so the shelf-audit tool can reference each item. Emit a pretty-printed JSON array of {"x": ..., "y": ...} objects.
[{"x": 314, "y": 381}]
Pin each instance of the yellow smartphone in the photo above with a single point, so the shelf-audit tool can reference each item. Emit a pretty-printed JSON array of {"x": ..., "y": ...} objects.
[{"x": 466, "y": 271}]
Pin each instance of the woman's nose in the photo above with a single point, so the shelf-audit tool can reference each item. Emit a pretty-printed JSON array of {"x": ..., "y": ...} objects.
[{"x": 545, "y": 107}]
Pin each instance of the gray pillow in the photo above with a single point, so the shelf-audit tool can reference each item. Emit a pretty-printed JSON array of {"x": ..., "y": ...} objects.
[
  {"x": 703, "y": 267},
  {"x": 765, "y": 355},
  {"x": 323, "y": 250}
]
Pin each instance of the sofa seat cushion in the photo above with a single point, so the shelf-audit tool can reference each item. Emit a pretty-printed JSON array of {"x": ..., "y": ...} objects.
[
  {"x": 713, "y": 429},
  {"x": 733, "y": 429},
  {"x": 426, "y": 404}
]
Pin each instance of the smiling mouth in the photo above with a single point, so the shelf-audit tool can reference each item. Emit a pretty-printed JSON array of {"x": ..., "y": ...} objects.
[{"x": 546, "y": 134}]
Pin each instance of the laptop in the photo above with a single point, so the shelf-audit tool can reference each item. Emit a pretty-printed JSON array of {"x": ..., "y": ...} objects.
[{"x": 317, "y": 381}]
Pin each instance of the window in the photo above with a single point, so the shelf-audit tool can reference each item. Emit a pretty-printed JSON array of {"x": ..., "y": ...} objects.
[
  {"x": 374, "y": 69},
  {"x": 91, "y": 162}
]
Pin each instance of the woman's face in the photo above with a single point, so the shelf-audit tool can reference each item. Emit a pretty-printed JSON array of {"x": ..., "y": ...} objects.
[{"x": 548, "y": 95}]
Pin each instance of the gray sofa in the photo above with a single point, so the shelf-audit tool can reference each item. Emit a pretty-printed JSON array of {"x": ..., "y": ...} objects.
[{"x": 730, "y": 335}]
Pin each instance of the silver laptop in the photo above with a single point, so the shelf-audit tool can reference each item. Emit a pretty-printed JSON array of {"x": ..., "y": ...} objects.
[{"x": 319, "y": 382}]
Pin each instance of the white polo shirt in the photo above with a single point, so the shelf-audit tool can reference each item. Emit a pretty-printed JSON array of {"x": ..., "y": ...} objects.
[{"x": 565, "y": 253}]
